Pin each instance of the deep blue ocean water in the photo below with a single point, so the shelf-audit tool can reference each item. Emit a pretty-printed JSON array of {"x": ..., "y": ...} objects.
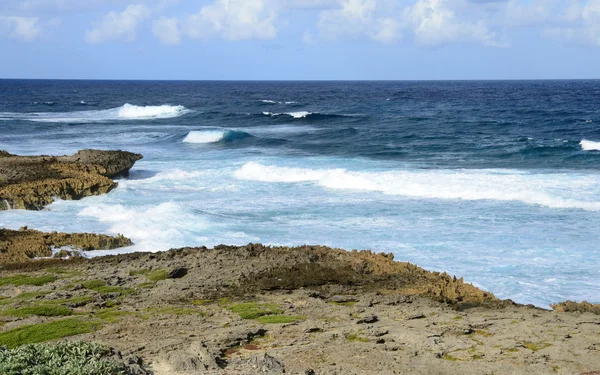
[{"x": 495, "y": 181}]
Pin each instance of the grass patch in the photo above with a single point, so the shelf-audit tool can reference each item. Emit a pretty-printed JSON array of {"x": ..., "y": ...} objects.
[
  {"x": 458, "y": 317},
  {"x": 356, "y": 338},
  {"x": 35, "y": 333},
  {"x": 448, "y": 357},
  {"x": 252, "y": 310},
  {"x": 158, "y": 275},
  {"x": 61, "y": 358},
  {"x": 111, "y": 315},
  {"x": 536, "y": 346},
  {"x": 39, "y": 310},
  {"x": 93, "y": 284},
  {"x": 345, "y": 303},
  {"x": 19, "y": 280},
  {"x": 177, "y": 310},
  {"x": 143, "y": 271},
  {"x": 280, "y": 319},
  {"x": 147, "y": 285}
]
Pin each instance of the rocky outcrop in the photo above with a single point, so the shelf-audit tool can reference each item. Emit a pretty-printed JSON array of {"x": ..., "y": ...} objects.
[
  {"x": 571, "y": 306},
  {"x": 25, "y": 244},
  {"x": 32, "y": 182}
]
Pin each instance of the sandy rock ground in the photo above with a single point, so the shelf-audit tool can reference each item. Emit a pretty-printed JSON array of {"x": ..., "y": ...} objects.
[{"x": 228, "y": 311}]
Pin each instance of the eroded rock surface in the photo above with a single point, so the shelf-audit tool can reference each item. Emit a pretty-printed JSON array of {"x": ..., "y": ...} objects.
[
  {"x": 32, "y": 182},
  {"x": 25, "y": 244}
]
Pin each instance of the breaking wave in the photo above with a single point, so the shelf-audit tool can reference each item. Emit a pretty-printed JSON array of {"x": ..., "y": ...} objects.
[
  {"x": 125, "y": 112},
  {"x": 553, "y": 190},
  {"x": 589, "y": 145},
  {"x": 214, "y": 136}
]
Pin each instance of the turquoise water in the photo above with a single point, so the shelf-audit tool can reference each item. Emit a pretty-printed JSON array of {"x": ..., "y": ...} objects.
[{"x": 494, "y": 181}]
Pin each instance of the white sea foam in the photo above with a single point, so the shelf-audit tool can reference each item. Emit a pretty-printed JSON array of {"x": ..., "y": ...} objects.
[
  {"x": 299, "y": 114},
  {"x": 151, "y": 228},
  {"x": 268, "y": 101},
  {"x": 549, "y": 190},
  {"x": 589, "y": 145},
  {"x": 125, "y": 112},
  {"x": 204, "y": 136}
]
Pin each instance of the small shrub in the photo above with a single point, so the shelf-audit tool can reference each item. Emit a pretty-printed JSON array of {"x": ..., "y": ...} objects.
[
  {"x": 143, "y": 271},
  {"x": 66, "y": 358},
  {"x": 34, "y": 333}
]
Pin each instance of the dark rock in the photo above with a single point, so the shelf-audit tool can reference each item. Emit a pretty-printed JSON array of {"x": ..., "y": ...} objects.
[
  {"x": 368, "y": 319},
  {"x": 178, "y": 273}
]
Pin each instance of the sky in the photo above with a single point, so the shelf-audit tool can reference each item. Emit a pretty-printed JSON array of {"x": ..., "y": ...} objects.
[{"x": 300, "y": 39}]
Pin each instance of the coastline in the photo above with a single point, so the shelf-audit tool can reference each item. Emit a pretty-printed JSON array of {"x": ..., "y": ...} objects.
[{"x": 300, "y": 309}]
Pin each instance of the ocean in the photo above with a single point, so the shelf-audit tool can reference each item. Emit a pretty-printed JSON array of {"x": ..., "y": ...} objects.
[{"x": 494, "y": 181}]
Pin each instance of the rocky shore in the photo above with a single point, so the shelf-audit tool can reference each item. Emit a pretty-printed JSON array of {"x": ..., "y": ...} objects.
[
  {"x": 32, "y": 182},
  {"x": 257, "y": 309}
]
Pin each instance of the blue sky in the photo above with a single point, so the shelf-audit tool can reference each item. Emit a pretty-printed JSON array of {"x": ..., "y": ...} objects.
[{"x": 300, "y": 39}]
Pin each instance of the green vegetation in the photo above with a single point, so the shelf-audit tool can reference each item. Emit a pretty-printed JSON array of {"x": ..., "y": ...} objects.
[
  {"x": 177, "y": 310},
  {"x": 356, "y": 338},
  {"x": 19, "y": 280},
  {"x": 111, "y": 315},
  {"x": 536, "y": 346},
  {"x": 143, "y": 271},
  {"x": 35, "y": 333},
  {"x": 65, "y": 358},
  {"x": 39, "y": 310},
  {"x": 279, "y": 319},
  {"x": 252, "y": 310},
  {"x": 448, "y": 357},
  {"x": 158, "y": 275},
  {"x": 93, "y": 284}
]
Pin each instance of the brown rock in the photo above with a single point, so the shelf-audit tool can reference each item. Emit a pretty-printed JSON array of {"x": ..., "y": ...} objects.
[{"x": 32, "y": 182}]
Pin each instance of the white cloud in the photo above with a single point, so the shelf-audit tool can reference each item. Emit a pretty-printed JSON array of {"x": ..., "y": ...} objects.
[
  {"x": 22, "y": 28},
  {"x": 234, "y": 20},
  {"x": 435, "y": 22},
  {"x": 167, "y": 30},
  {"x": 119, "y": 25},
  {"x": 584, "y": 27},
  {"x": 360, "y": 17}
]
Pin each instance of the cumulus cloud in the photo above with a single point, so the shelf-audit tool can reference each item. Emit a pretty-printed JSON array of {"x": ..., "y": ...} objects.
[
  {"x": 360, "y": 17},
  {"x": 234, "y": 20},
  {"x": 121, "y": 25},
  {"x": 21, "y": 28},
  {"x": 167, "y": 30},
  {"x": 585, "y": 26},
  {"x": 435, "y": 22}
]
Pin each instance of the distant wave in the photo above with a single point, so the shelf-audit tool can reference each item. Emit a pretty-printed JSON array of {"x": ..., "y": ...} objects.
[
  {"x": 299, "y": 114},
  {"x": 549, "y": 190},
  {"x": 125, "y": 112},
  {"x": 214, "y": 136},
  {"x": 306, "y": 115},
  {"x": 589, "y": 145},
  {"x": 268, "y": 101}
]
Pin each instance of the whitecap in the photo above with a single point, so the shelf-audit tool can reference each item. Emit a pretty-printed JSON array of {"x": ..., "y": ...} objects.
[
  {"x": 549, "y": 190},
  {"x": 204, "y": 136},
  {"x": 125, "y": 112},
  {"x": 589, "y": 145}
]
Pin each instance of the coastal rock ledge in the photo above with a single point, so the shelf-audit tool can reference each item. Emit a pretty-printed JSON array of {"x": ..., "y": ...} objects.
[{"x": 32, "y": 182}]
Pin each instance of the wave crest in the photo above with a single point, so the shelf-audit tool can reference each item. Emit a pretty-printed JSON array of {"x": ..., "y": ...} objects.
[
  {"x": 125, "y": 112},
  {"x": 214, "y": 136},
  {"x": 549, "y": 190},
  {"x": 589, "y": 145}
]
